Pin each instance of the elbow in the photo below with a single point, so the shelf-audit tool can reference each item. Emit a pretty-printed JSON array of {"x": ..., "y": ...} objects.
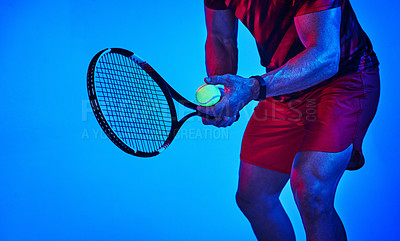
[
  {"x": 332, "y": 69},
  {"x": 332, "y": 64}
]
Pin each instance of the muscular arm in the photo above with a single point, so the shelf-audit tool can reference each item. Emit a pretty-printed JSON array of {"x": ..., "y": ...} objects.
[
  {"x": 221, "y": 53},
  {"x": 221, "y": 43},
  {"x": 320, "y": 34}
]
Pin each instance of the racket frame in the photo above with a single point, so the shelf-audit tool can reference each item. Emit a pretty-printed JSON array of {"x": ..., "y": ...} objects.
[{"x": 168, "y": 91}]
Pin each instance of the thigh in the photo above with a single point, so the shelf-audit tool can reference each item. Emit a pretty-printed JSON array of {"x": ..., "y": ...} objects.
[
  {"x": 340, "y": 113},
  {"x": 259, "y": 183},
  {"x": 272, "y": 137}
]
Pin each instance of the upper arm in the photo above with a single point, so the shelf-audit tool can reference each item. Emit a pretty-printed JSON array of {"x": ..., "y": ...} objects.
[
  {"x": 221, "y": 24},
  {"x": 221, "y": 43},
  {"x": 321, "y": 30}
]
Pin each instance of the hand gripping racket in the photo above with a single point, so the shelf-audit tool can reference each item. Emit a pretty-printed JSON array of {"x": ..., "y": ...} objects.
[{"x": 133, "y": 103}]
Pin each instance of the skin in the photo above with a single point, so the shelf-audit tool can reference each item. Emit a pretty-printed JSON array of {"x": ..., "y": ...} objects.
[
  {"x": 313, "y": 181},
  {"x": 319, "y": 33},
  {"x": 314, "y": 175}
]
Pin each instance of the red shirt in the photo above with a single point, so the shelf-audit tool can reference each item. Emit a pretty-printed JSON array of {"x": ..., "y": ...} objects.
[{"x": 271, "y": 22}]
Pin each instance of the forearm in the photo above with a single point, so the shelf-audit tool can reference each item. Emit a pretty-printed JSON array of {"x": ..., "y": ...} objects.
[
  {"x": 221, "y": 56},
  {"x": 310, "y": 67}
]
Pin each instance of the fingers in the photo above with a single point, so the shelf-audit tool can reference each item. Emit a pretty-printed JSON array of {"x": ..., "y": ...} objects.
[
  {"x": 218, "y": 79},
  {"x": 219, "y": 121},
  {"x": 222, "y": 108},
  {"x": 233, "y": 97},
  {"x": 210, "y": 110}
]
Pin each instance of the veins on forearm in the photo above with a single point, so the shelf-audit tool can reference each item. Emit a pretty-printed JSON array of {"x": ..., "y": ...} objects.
[{"x": 310, "y": 67}]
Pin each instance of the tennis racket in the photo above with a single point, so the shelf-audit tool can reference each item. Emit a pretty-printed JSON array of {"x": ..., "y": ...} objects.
[{"x": 133, "y": 103}]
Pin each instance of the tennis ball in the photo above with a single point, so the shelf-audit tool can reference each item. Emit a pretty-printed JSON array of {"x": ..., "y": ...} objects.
[{"x": 208, "y": 95}]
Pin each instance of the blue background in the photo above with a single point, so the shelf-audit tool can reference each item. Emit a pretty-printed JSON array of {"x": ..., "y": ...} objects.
[{"x": 62, "y": 179}]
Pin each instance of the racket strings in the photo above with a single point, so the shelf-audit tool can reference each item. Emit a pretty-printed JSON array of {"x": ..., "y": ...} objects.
[
  {"x": 141, "y": 135},
  {"x": 132, "y": 103},
  {"x": 148, "y": 90}
]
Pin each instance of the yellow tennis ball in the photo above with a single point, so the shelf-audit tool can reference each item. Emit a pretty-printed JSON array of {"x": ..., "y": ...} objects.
[{"x": 208, "y": 95}]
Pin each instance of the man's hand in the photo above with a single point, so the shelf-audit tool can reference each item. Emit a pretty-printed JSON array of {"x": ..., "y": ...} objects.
[
  {"x": 223, "y": 121},
  {"x": 238, "y": 91}
]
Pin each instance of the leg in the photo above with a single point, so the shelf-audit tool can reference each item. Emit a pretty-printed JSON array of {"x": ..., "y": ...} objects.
[
  {"x": 314, "y": 178},
  {"x": 258, "y": 198}
]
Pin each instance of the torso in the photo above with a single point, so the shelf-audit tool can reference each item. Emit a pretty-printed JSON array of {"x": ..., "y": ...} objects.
[{"x": 271, "y": 22}]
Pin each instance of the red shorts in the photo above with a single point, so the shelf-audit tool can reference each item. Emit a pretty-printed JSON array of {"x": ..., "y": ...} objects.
[{"x": 327, "y": 117}]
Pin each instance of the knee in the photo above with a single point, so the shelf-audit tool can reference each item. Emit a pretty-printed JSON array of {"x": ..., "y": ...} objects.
[
  {"x": 312, "y": 198},
  {"x": 249, "y": 204},
  {"x": 242, "y": 202}
]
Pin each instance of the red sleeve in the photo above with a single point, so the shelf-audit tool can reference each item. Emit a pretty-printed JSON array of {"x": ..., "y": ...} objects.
[
  {"x": 215, "y": 4},
  {"x": 311, "y": 6}
]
